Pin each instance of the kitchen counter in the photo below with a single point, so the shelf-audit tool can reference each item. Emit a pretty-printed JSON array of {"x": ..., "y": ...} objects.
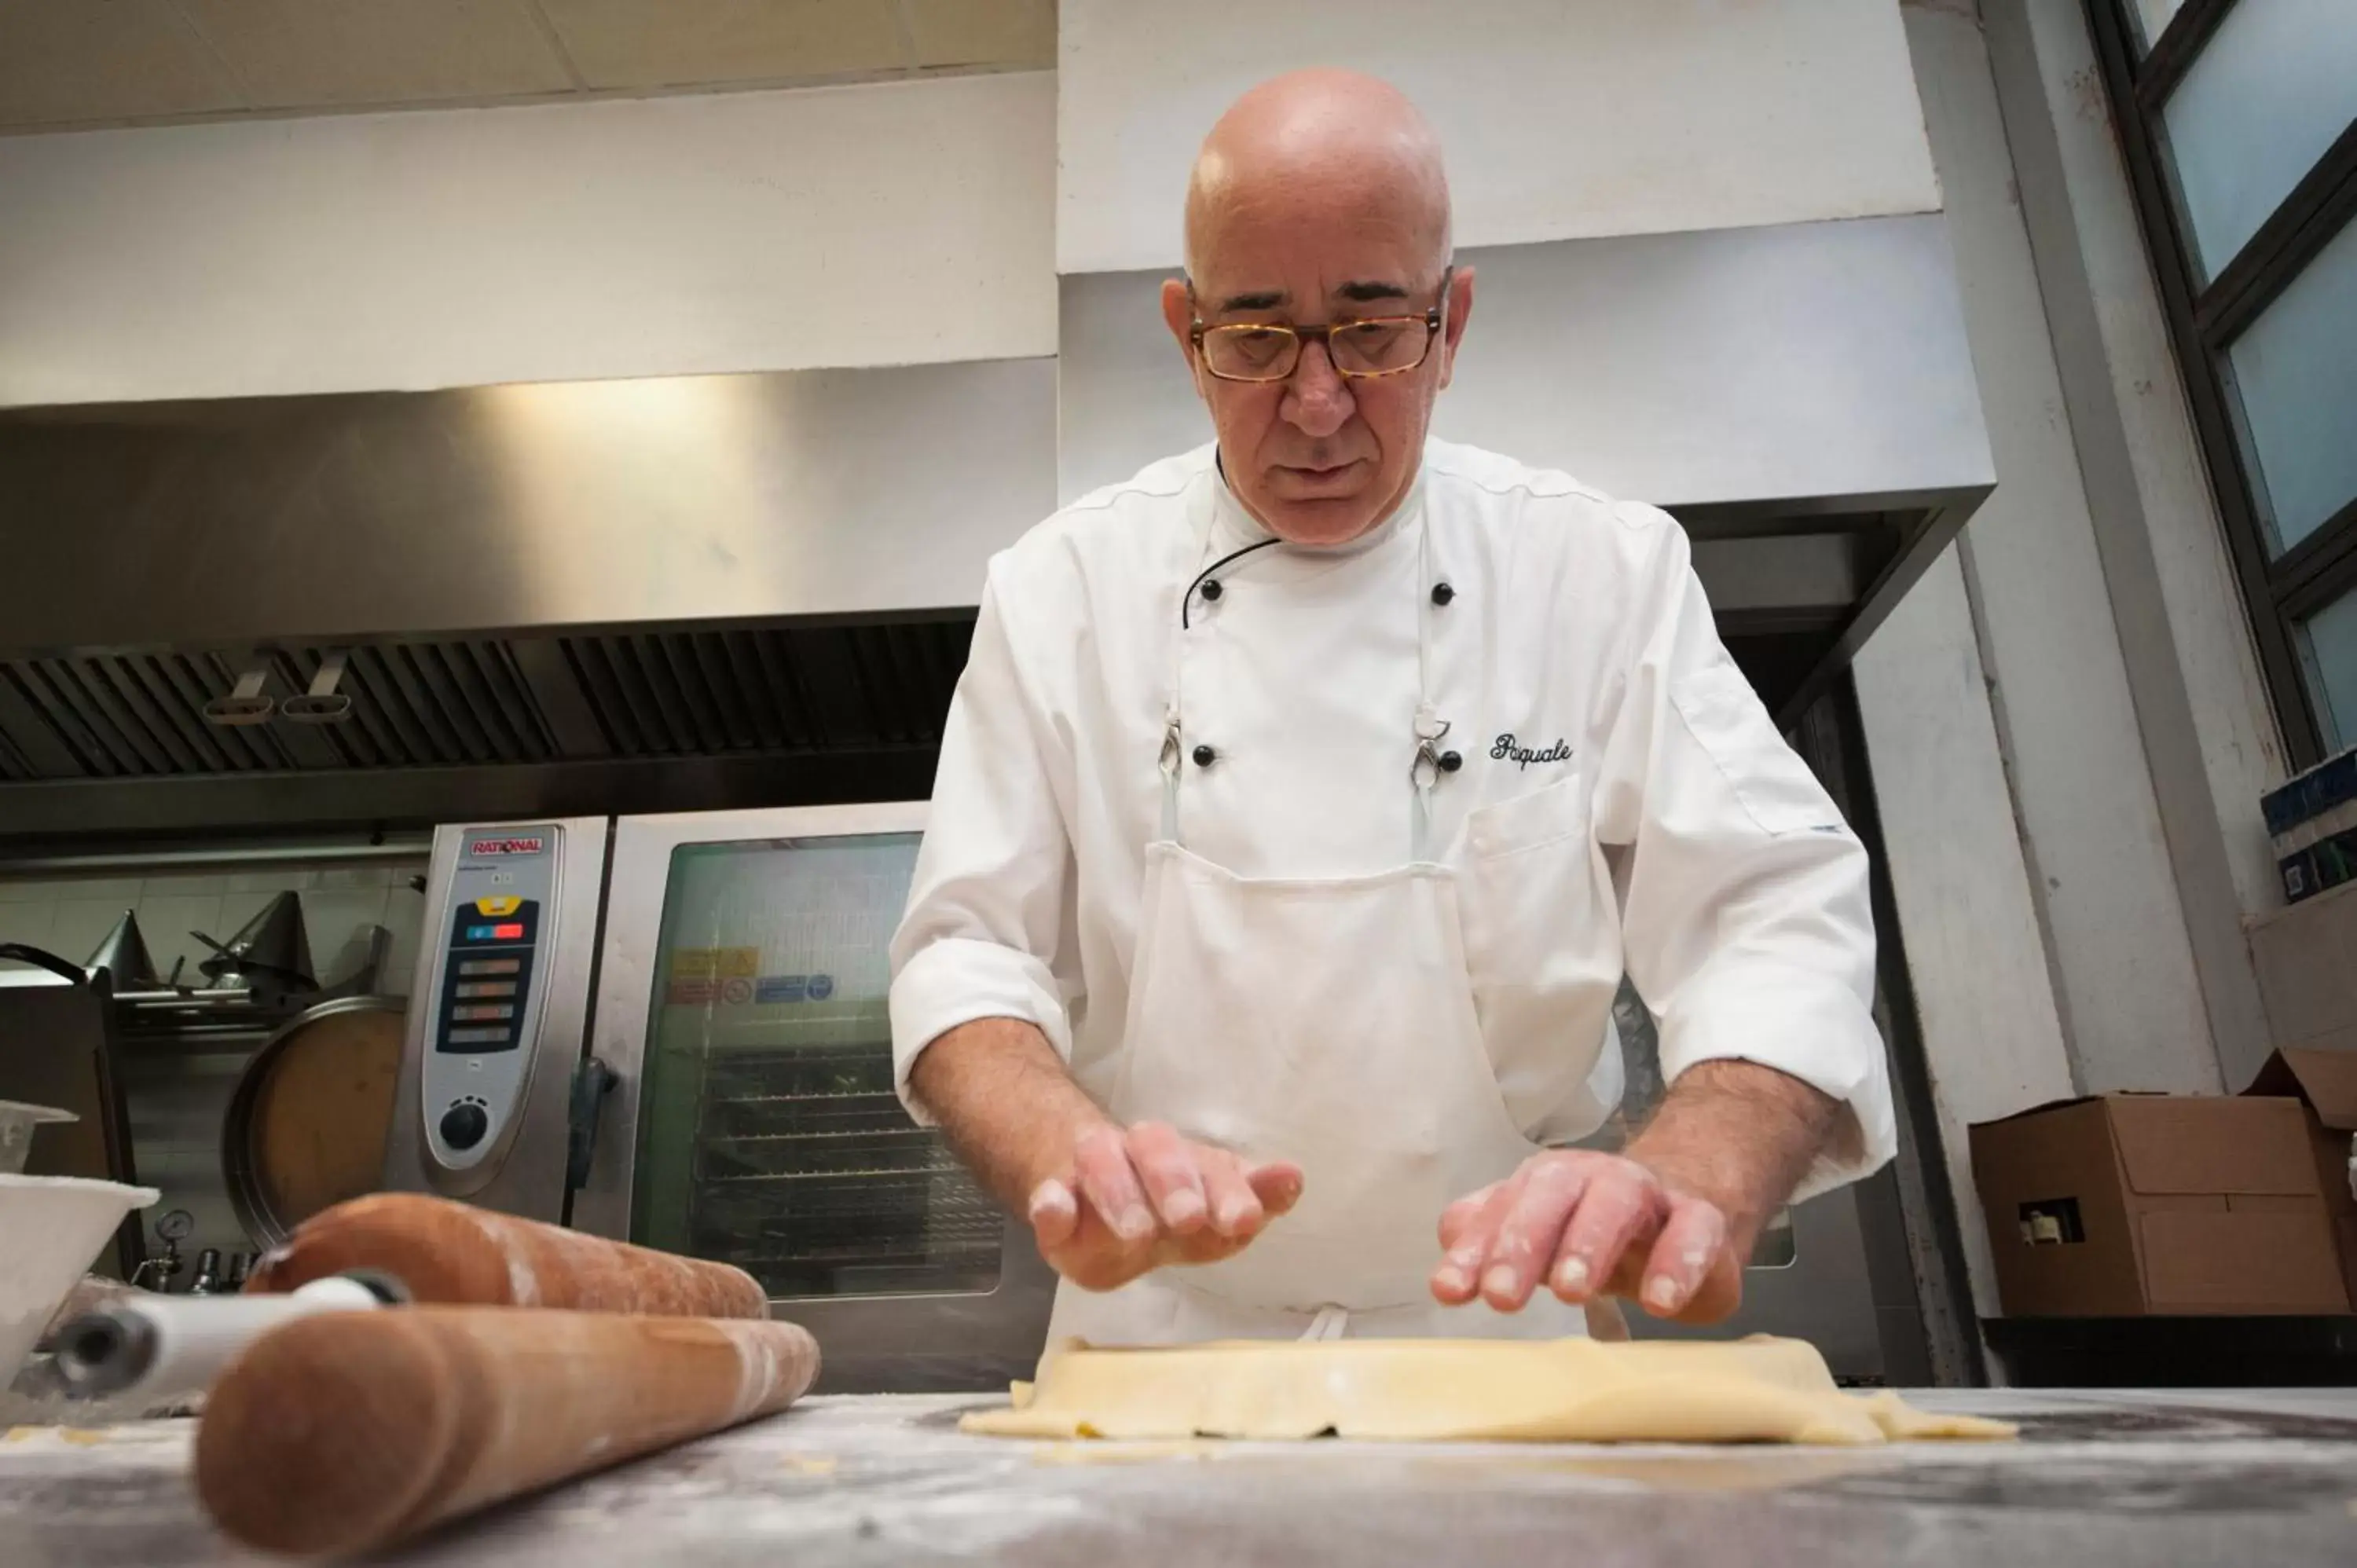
[{"x": 2146, "y": 1477}]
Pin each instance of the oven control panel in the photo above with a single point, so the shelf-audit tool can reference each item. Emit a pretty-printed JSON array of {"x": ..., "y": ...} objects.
[{"x": 488, "y": 991}]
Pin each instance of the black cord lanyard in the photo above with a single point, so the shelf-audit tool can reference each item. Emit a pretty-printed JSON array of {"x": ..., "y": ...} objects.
[{"x": 1187, "y": 604}]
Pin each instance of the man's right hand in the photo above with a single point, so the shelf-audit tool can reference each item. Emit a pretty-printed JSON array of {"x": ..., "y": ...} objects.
[{"x": 1135, "y": 1200}]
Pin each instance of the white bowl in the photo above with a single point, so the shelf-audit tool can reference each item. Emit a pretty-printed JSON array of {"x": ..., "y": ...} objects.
[{"x": 50, "y": 1229}]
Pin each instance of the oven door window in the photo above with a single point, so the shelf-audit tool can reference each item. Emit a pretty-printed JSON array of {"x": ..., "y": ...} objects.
[{"x": 769, "y": 1134}]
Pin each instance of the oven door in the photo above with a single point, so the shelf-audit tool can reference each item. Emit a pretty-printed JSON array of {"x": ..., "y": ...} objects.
[{"x": 742, "y": 1004}]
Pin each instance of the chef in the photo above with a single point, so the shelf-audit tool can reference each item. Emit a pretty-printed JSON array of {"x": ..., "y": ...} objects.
[{"x": 1306, "y": 799}]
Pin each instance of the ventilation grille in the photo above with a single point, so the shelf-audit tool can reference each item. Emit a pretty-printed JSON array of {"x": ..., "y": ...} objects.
[
  {"x": 709, "y": 693},
  {"x": 487, "y": 702}
]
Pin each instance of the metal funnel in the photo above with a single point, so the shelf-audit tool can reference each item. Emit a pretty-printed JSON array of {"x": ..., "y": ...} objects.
[
  {"x": 123, "y": 954},
  {"x": 272, "y": 945}
]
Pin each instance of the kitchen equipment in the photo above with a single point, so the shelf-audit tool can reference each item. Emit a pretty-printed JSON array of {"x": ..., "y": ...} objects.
[
  {"x": 180, "y": 1057},
  {"x": 122, "y": 953},
  {"x": 451, "y": 1254},
  {"x": 158, "y": 1272},
  {"x": 485, "y": 1109},
  {"x": 56, "y": 1049},
  {"x": 344, "y": 1432},
  {"x": 308, "y": 1123},
  {"x": 50, "y": 1229},
  {"x": 153, "y": 1349},
  {"x": 731, "y": 1091},
  {"x": 271, "y": 949},
  {"x": 742, "y": 1002}
]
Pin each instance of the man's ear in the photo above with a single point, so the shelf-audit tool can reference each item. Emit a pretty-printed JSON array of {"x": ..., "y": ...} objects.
[
  {"x": 1179, "y": 315},
  {"x": 1461, "y": 311}
]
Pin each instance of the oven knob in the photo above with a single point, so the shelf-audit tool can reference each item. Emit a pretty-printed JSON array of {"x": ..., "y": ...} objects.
[{"x": 463, "y": 1126}]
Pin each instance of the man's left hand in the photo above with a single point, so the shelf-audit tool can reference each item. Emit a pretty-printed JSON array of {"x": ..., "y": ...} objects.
[{"x": 1585, "y": 1225}]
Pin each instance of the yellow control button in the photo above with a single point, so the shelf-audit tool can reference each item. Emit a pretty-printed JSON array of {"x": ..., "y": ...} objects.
[{"x": 505, "y": 904}]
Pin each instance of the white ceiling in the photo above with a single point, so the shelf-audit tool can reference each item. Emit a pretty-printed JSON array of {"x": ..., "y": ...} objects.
[{"x": 78, "y": 63}]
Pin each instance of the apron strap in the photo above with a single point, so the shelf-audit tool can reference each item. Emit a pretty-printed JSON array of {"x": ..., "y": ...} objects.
[
  {"x": 1424, "y": 772},
  {"x": 1169, "y": 764},
  {"x": 1328, "y": 1324}
]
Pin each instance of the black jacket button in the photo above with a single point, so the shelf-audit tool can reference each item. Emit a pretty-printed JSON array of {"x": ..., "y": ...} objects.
[
  {"x": 1212, "y": 590},
  {"x": 1205, "y": 756},
  {"x": 1442, "y": 592},
  {"x": 1450, "y": 762}
]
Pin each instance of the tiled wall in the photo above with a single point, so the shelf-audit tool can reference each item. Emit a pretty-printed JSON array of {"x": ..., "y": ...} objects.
[{"x": 71, "y": 915}]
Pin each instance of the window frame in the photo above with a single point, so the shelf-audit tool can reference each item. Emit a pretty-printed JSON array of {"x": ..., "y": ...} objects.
[{"x": 2204, "y": 319}]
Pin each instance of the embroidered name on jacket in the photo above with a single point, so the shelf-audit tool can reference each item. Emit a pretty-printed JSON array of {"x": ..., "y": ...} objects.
[{"x": 1504, "y": 749}]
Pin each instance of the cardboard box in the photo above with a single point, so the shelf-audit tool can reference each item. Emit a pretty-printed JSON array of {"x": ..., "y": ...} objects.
[
  {"x": 2137, "y": 1205},
  {"x": 2325, "y": 1083}
]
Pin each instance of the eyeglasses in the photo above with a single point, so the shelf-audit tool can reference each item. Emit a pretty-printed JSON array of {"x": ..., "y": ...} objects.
[{"x": 1360, "y": 351}]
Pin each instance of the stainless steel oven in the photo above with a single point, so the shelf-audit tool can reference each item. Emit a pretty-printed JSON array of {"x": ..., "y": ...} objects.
[{"x": 673, "y": 1030}]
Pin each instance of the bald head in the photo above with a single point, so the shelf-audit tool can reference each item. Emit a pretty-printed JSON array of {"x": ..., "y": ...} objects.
[
  {"x": 1322, "y": 139},
  {"x": 1319, "y": 204}
]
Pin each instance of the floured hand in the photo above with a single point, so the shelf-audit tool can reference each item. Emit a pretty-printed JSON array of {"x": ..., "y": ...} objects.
[
  {"x": 1585, "y": 1225},
  {"x": 1670, "y": 1223},
  {"x": 1136, "y": 1199}
]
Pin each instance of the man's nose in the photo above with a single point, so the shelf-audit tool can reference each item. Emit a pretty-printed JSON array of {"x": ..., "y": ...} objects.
[{"x": 1317, "y": 400}]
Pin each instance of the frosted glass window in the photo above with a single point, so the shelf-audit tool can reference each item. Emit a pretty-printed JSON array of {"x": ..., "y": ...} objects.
[
  {"x": 2266, "y": 96},
  {"x": 2152, "y": 17},
  {"x": 2328, "y": 649},
  {"x": 2296, "y": 370}
]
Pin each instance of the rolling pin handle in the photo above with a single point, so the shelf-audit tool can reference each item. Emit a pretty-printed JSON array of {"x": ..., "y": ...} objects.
[
  {"x": 156, "y": 1348},
  {"x": 591, "y": 1084}
]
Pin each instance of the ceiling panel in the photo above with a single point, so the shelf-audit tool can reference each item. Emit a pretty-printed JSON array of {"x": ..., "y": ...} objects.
[
  {"x": 983, "y": 32},
  {"x": 72, "y": 63},
  {"x": 69, "y": 60},
  {"x": 675, "y": 43},
  {"x": 301, "y": 54}
]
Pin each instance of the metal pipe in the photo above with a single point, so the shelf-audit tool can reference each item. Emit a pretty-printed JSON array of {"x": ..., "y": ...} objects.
[{"x": 416, "y": 848}]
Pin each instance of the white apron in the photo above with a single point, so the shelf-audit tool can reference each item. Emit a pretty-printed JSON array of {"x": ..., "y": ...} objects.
[{"x": 1328, "y": 1022}]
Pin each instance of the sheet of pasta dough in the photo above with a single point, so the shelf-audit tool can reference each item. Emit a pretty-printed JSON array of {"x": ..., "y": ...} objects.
[{"x": 1759, "y": 1389}]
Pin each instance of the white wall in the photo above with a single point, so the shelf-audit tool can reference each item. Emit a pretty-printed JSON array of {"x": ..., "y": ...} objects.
[
  {"x": 2210, "y": 734},
  {"x": 1985, "y": 999},
  {"x": 905, "y": 222},
  {"x": 2132, "y": 1008},
  {"x": 2066, "y": 724},
  {"x": 1563, "y": 119}
]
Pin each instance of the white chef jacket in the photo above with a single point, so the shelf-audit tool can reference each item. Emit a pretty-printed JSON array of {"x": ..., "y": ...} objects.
[{"x": 1625, "y": 803}]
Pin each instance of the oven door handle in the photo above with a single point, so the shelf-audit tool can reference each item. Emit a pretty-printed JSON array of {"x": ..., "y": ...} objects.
[{"x": 592, "y": 1082}]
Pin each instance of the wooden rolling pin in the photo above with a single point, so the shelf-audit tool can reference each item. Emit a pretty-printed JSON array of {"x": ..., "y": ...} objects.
[
  {"x": 340, "y": 1434},
  {"x": 456, "y": 1255}
]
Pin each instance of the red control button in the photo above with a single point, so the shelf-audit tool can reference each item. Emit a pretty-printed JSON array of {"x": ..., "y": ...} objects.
[{"x": 508, "y": 932}]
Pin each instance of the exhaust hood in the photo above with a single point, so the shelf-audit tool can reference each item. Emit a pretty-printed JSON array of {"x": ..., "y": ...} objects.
[
  {"x": 546, "y": 600},
  {"x": 702, "y": 592}
]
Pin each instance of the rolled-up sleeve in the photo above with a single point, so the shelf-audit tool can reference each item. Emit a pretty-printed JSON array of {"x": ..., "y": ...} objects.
[
  {"x": 1746, "y": 914},
  {"x": 987, "y": 907}
]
